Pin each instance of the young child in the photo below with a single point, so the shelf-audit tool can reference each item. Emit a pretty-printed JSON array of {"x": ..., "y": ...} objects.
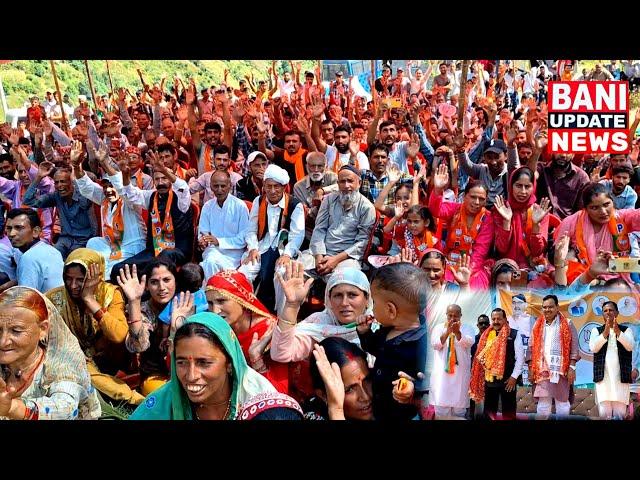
[
  {"x": 400, "y": 344},
  {"x": 417, "y": 235},
  {"x": 190, "y": 279}
]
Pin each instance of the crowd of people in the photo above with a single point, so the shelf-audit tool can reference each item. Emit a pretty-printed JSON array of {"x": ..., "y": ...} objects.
[{"x": 275, "y": 250}]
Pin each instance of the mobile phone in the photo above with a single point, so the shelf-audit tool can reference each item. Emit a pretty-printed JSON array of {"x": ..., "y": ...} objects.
[
  {"x": 624, "y": 265},
  {"x": 392, "y": 102}
]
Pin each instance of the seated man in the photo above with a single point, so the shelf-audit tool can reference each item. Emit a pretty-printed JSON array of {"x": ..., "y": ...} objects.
[
  {"x": 223, "y": 226},
  {"x": 39, "y": 264},
  {"x": 77, "y": 217},
  {"x": 123, "y": 229},
  {"x": 250, "y": 186},
  {"x": 170, "y": 219},
  {"x": 312, "y": 188},
  {"x": 343, "y": 225},
  {"x": 275, "y": 234}
]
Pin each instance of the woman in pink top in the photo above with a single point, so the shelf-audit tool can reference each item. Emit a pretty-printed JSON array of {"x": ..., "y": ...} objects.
[
  {"x": 598, "y": 226},
  {"x": 521, "y": 225},
  {"x": 470, "y": 227}
]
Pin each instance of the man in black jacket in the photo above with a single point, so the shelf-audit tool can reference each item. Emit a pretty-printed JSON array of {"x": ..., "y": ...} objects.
[{"x": 612, "y": 346}]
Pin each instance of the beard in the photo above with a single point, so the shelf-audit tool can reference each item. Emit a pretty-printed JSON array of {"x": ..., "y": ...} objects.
[
  {"x": 342, "y": 148},
  {"x": 316, "y": 176},
  {"x": 348, "y": 199}
]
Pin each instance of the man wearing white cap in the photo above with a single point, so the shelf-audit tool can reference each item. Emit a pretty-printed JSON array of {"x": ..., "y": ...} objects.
[
  {"x": 82, "y": 110},
  {"x": 250, "y": 186},
  {"x": 275, "y": 233}
]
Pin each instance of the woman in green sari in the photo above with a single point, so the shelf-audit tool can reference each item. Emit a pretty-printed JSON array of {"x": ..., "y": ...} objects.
[{"x": 210, "y": 378}]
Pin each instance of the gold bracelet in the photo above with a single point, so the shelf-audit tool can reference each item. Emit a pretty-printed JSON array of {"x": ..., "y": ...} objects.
[{"x": 280, "y": 319}]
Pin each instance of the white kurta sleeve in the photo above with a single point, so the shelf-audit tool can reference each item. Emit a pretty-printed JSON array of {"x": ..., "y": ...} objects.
[
  {"x": 296, "y": 231},
  {"x": 596, "y": 340},
  {"x": 519, "y": 351},
  {"x": 627, "y": 340}
]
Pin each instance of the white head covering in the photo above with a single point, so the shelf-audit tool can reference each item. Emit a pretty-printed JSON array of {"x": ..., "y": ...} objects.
[
  {"x": 277, "y": 174},
  {"x": 252, "y": 156},
  {"x": 324, "y": 324}
]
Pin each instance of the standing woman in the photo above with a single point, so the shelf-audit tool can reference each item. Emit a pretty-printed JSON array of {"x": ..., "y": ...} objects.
[
  {"x": 210, "y": 378},
  {"x": 43, "y": 370},
  {"x": 470, "y": 226}
]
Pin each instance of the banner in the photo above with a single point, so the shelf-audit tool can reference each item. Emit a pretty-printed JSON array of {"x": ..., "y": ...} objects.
[{"x": 586, "y": 313}]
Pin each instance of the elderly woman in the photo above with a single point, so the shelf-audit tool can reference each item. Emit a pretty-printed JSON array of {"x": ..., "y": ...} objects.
[
  {"x": 210, "y": 378},
  {"x": 43, "y": 370},
  {"x": 230, "y": 295},
  {"x": 94, "y": 312}
]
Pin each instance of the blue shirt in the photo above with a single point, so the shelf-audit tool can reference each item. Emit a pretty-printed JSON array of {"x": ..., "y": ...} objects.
[
  {"x": 199, "y": 300},
  {"x": 77, "y": 220}
]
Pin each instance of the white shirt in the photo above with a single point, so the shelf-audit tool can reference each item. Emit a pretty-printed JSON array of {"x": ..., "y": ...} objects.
[
  {"x": 40, "y": 267},
  {"x": 332, "y": 152},
  {"x": 135, "y": 230},
  {"x": 451, "y": 389},
  {"x": 6, "y": 255},
  {"x": 203, "y": 182},
  {"x": 610, "y": 388},
  {"x": 228, "y": 224},
  {"x": 270, "y": 239}
]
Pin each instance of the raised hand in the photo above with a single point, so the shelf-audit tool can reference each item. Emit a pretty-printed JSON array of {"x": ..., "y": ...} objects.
[
  {"x": 129, "y": 283},
  {"x": 183, "y": 306},
  {"x": 406, "y": 255},
  {"x": 258, "y": 348},
  {"x": 77, "y": 152},
  {"x": 414, "y": 146},
  {"x": 399, "y": 210},
  {"x": 334, "y": 386},
  {"x": 293, "y": 284},
  {"x": 403, "y": 388},
  {"x": 302, "y": 124},
  {"x": 512, "y": 134},
  {"x": 462, "y": 271},
  {"x": 595, "y": 174},
  {"x": 441, "y": 178},
  {"x": 45, "y": 168},
  {"x": 601, "y": 264},
  {"x": 393, "y": 173},
  {"x": 561, "y": 248},
  {"x": 91, "y": 281},
  {"x": 354, "y": 148},
  {"x": 7, "y": 394},
  {"x": 540, "y": 211},
  {"x": 503, "y": 208}
]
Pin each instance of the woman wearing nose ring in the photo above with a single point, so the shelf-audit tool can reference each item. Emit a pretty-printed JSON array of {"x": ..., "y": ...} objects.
[{"x": 210, "y": 378}]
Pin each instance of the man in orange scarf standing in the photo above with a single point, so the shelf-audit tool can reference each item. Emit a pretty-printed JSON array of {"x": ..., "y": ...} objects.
[
  {"x": 552, "y": 357},
  {"x": 500, "y": 353}
]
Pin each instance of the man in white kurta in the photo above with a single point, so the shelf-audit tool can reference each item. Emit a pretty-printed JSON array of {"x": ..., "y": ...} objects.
[
  {"x": 278, "y": 206},
  {"x": 223, "y": 225},
  {"x": 522, "y": 321},
  {"x": 611, "y": 393},
  {"x": 449, "y": 390},
  {"x": 135, "y": 231}
]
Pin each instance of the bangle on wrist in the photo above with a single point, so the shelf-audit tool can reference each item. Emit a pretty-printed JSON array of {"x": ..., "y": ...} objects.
[
  {"x": 98, "y": 314},
  {"x": 280, "y": 319}
]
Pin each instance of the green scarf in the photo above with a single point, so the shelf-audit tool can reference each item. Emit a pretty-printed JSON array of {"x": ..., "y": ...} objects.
[{"x": 170, "y": 402}]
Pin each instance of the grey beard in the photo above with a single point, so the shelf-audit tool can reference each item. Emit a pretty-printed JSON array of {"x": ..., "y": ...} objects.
[
  {"x": 348, "y": 199},
  {"x": 316, "y": 177}
]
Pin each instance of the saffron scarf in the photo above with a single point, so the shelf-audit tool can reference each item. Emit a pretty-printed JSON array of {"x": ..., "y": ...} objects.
[
  {"x": 460, "y": 239},
  {"x": 162, "y": 232},
  {"x": 619, "y": 233},
  {"x": 337, "y": 165},
  {"x": 452, "y": 360},
  {"x": 263, "y": 221},
  {"x": 83, "y": 325},
  {"x": 489, "y": 361},
  {"x": 539, "y": 370},
  {"x": 418, "y": 245},
  {"x": 297, "y": 160},
  {"x": 114, "y": 232},
  {"x": 170, "y": 402}
]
